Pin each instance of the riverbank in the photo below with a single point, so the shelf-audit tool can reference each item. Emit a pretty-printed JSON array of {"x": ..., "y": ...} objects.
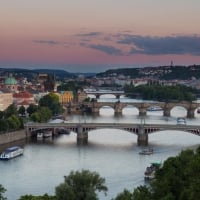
[{"x": 12, "y": 136}]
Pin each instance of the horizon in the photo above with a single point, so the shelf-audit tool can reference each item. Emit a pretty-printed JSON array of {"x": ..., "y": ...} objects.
[{"x": 98, "y": 35}]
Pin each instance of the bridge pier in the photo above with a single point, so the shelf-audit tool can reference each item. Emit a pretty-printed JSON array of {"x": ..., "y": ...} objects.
[
  {"x": 166, "y": 112},
  {"x": 142, "y": 112},
  {"x": 82, "y": 137},
  {"x": 190, "y": 113},
  {"x": 142, "y": 139}
]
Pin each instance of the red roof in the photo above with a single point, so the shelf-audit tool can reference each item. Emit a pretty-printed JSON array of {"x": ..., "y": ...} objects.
[{"x": 22, "y": 95}]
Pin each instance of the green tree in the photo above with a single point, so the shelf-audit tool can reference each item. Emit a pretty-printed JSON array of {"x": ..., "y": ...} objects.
[
  {"x": 81, "y": 186},
  {"x": 125, "y": 195},
  {"x": 51, "y": 101},
  {"x": 3, "y": 125},
  {"x": 22, "y": 110},
  {"x": 2, "y": 191},
  {"x": 43, "y": 197},
  {"x": 13, "y": 122},
  {"x": 31, "y": 109},
  {"x": 11, "y": 110}
]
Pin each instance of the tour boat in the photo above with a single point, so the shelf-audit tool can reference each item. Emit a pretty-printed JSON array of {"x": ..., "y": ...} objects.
[
  {"x": 11, "y": 152},
  {"x": 149, "y": 173},
  {"x": 148, "y": 151},
  {"x": 154, "y": 108},
  {"x": 181, "y": 121}
]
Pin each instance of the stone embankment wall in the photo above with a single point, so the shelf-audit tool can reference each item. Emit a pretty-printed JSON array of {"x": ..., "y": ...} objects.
[{"x": 12, "y": 136}]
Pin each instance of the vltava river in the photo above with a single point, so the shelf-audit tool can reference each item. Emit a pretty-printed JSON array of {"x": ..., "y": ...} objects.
[{"x": 114, "y": 154}]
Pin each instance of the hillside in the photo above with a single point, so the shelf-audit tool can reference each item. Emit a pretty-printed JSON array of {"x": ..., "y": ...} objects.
[{"x": 161, "y": 72}]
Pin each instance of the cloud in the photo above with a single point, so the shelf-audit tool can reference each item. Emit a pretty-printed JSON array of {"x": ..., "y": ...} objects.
[
  {"x": 178, "y": 45},
  {"x": 90, "y": 34},
  {"x": 106, "y": 49},
  {"x": 47, "y": 42}
]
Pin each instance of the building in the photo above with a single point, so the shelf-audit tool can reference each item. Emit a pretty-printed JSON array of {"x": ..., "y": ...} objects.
[
  {"x": 67, "y": 97},
  {"x": 10, "y": 84},
  {"x": 6, "y": 99},
  {"x": 23, "y": 99}
]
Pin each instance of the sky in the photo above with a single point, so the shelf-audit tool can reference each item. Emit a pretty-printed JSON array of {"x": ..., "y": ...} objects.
[{"x": 95, "y": 35}]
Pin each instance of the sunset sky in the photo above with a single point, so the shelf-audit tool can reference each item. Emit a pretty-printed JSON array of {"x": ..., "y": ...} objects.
[{"x": 95, "y": 35}]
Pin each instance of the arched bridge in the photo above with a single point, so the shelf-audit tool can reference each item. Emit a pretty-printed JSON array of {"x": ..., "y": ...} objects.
[
  {"x": 82, "y": 129},
  {"x": 143, "y": 107},
  {"x": 99, "y": 93}
]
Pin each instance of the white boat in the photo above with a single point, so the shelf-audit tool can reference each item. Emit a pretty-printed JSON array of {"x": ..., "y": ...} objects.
[
  {"x": 148, "y": 151},
  {"x": 40, "y": 135},
  {"x": 11, "y": 152},
  {"x": 181, "y": 121},
  {"x": 154, "y": 108},
  {"x": 47, "y": 134}
]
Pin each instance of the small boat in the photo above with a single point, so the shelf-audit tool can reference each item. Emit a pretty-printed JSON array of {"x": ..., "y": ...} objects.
[
  {"x": 40, "y": 135},
  {"x": 47, "y": 134},
  {"x": 149, "y": 173},
  {"x": 11, "y": 152},
  {"x": 148, "y": 151},
  {"x": 154, "y": 108},
  {"x": 181, "y": 121}
]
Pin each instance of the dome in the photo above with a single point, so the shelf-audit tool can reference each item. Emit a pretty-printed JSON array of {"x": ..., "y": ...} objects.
[{"x": 10, "y": 81}]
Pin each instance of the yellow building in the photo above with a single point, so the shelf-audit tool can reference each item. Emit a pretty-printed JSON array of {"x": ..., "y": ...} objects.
[{"x": 67, "y": 97}]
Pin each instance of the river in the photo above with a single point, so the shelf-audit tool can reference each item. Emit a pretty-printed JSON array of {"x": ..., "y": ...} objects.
[{"x": 114, "y": 154}]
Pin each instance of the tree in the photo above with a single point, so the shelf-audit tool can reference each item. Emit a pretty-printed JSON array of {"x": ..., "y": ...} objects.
[
  {"x": 81, "y": 186},
  {"x": 125, "y": 195},
  {"x": 51, "y": 101},
  {"x": 2, "y": 191},
  {"x": 22, "y": 110},
  {"x": 31, "y": 109},
  {"x": 43, "y": 197},
  {"x": 11, "y": 110}
]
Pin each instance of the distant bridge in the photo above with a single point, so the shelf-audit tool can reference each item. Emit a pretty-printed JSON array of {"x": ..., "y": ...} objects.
[
  {"x": 103, "y": 92},
  {"x": 141, "y": 106},
  {"x": 82, "y": 129}
]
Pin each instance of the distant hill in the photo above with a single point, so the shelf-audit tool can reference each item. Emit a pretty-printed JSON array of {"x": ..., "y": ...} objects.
[
  {"x": 34, "y": 72},
  {"x": 160, "y": 72}
]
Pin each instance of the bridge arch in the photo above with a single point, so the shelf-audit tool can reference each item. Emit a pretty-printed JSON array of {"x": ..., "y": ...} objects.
[{"x": 129, "y": 109}]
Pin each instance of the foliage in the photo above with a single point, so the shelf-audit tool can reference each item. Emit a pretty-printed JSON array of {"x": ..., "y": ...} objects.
[
  {"x": 43, "y": 197},
  {"x": 81, "y": 186},
  {"x": 178, "y": 179},
  {"x": 73, "y": 86},
  {"x": 162, "y": 93},
  {"x": 31, "y": 109},
  {"x": 11, "y": 110},
  {"x": 22, "y": 110},
  {"x": 43, "y": 114},
  {"x": 13, "y": 122},
  {"x": 125, "y": 195},
  {"x": 51, "y": 101},
  {"x": 2, "y": 191}
]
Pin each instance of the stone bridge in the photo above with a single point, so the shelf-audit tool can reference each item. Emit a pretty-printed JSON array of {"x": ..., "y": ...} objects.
[
  {"x": 141, "y": 106},
  {"x": 82, "y": 129},
  {"x": 99, "y": 93}
]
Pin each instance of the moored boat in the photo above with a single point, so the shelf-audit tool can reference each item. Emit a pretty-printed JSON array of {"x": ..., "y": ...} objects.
[
  {"x": 154, "y": 108},
  {"x": 40, "y": 135},
  {"x": 181, "y": 121},
  {"x": 149, "y": 173},
  {"x": 11, "y": 152},
  {"x": 47, "y": 134},
  {"x": 148, "y": 151}
]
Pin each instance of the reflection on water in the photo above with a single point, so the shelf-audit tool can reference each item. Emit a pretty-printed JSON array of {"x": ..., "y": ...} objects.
[{"x": 113, "y": 153}]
